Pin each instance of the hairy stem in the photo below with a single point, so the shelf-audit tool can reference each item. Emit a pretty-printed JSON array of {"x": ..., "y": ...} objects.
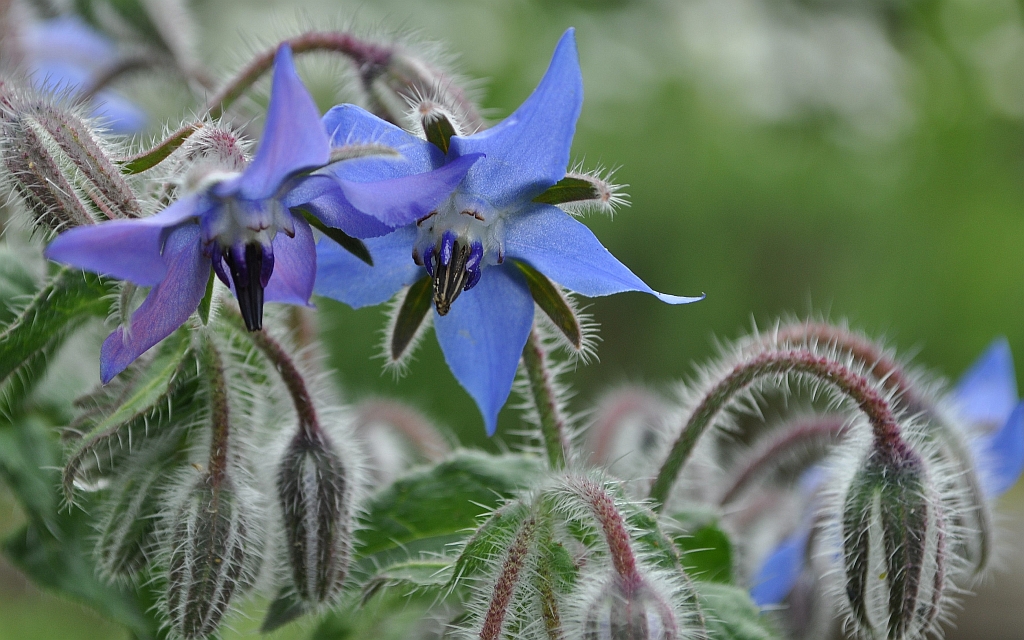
[
  {"x": 613, "y": 526},
  {"x": 862, "y": 391},
  {"x": 508, "y": 580},
  {"x": 309, "y": 423},
  {"x": 797, "y": 434},
  {"x": 367, "y": 57},
  {"x": 219, "y": 414},
  {"x": 545, "y": 399}
]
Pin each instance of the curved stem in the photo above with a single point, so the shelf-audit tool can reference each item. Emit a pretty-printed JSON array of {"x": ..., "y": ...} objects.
[
  {"x": 367, "y": 56},
  {"x": 862, "y": 391},
  {"x": 797, "y": 434},
  {"x": 122, "y": 66},
  {"x": 616, "y": 535},
  {"x": 420, "y": 432},
  {"x": 309, "y": 422},
  {"x": 545, "y": 399}
]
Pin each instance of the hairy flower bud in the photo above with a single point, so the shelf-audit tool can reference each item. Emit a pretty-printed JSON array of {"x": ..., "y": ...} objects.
[
  {"x": 894, "y": 548},
  {"x": 629, "y": 610},
  {"x": 316, "y": 503},
  {"x": 128, "y": 531},
  {"x": 212, "y": 554}
]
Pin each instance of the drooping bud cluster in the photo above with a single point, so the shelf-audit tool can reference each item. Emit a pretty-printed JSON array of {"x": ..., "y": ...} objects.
[{"x": 629, "y": 610}]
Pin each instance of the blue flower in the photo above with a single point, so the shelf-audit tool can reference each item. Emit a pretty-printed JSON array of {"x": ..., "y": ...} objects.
[
  {"x": 483, "y": 308},
  {"x": 66, "y": 54},
  {"x": 239, "y": 224},
  {"x": 986, "y": 397}
]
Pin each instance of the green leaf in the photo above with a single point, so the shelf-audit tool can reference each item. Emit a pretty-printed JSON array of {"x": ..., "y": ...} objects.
[
  {"x": 551, "y": 300},
  {"x": 569, "y": 190},
  {"x": 60, "y": 560},
  {"x": 170, "y": 381},
  {"x": 160, "y": 151},
  {"x": 437, "y": 504},
  {"x": 410, "y": 576},
  {"x": 354, "y": 246},
  {"x": 706, "y": 548},
  {"x": 731, "y": 615},
  {"x": 410, "y": 316},
  {"x": 70, "y": 297}
]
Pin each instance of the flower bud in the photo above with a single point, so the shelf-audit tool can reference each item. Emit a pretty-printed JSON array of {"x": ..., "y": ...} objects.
[
  {"x": 894, "y": 549},
  {"x": 629, "y": 610},
  {"x": 316, "y": 503},
  {"x": 212, "y": 553}
]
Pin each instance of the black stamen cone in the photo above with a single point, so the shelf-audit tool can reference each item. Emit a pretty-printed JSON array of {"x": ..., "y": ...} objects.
[
  {"x": 245, "y": 274},
  {"x": 449, "y": 279}
]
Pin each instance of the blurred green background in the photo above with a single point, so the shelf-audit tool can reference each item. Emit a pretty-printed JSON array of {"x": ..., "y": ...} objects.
[{"x": 860, "y": 159}]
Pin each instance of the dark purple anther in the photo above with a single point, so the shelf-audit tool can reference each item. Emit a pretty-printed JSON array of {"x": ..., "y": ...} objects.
[
  {"x": 268, "y": 264},
  {"x": 246, "y": 263},
  {"x": 452, "y": 273},
  {"x": 217, "y": 256},
  {"x": 473, "y": 270}
]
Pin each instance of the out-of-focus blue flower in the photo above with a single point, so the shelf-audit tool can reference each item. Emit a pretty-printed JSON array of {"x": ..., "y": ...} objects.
[
  {"x": 66, "y": 54},
  {"x": 986, "y": 397},
  {"x": 239, "y": 224},
  {"x": 465, "y": 243}
]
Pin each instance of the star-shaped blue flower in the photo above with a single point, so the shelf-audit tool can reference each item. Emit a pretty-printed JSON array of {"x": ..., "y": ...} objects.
[
  {"x": 483, "y": 308},
  {"x": 66, "y": 54},
  {"x": 239, "y": 224}
]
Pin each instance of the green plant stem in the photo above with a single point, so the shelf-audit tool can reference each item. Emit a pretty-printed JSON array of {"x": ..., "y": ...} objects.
[
  {"x": 219, "y": 414},
  {"x": 309, "y": 422},
  {"x": 545, "y": 399}
]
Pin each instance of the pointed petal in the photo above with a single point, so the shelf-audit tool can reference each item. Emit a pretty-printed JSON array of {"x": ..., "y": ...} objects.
[
  {"x": 528, "y": 151},
  {"x": 348, "y": 124},
  {"x": 344, "y": 277},
  {"x": 987, "y": 392},
  {"x": 124, "y": 249},
  {"x": 565, "y": 250},
  {"x": 779, "y": 572},
  {"x": 1001, "y": 454},
  {"x": 294, "y": 266},
  {"x": 483, "y": 336},
  {"x": 401, "y": 201},
  {"x": 167, "y": 307},
  {"x": 293, "y": 139}
]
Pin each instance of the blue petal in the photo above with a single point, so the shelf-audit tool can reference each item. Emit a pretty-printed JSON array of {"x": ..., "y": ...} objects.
[
  {"x": 322, "y": 196},
  {"x": 167, "y": 307},
  {"x": 294, "y": 266},
  {"x": 566, "y": 251},
  {"x": 348, "y": 124},
  {"x": 125, "y": 249},
  {"x": 293, "y": 139},
  {"x": 780, "y": 571},
  {"x": 987, "y": 392},
  {"x": 68, "y": 38},
  {"x": 483, "y": 336},
  {"x": 400, "y": 201},
  {"x": 117, "y": 113},
  {"x": 344, "y": 277},
  {"x": 528, "y": 151},
  {"x": 1001, "y": 454}
]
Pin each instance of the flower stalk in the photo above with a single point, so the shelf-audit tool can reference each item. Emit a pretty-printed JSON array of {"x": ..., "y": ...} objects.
[
  {"x": 545, "y": 399},
  {"x": 508, "y": 581}
]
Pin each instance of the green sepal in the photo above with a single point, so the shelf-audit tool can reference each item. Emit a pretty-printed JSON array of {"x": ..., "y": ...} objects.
[
  {"x": 170, "y": 380},
  {"x": 207, "y": 302},
  {"x": 435, "y": 505},
  {"x": 489, "y": 539},
  {"x": 150, "y": 158},
  {"x": 569, "y": 189},
  {"x": 550, "y": 299},
  {"x": 285, "y": 608},
  {"x": 438, "y": 130},
  {"x": 414, "y": 309},
  {"x": 355, "y": 246}
]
